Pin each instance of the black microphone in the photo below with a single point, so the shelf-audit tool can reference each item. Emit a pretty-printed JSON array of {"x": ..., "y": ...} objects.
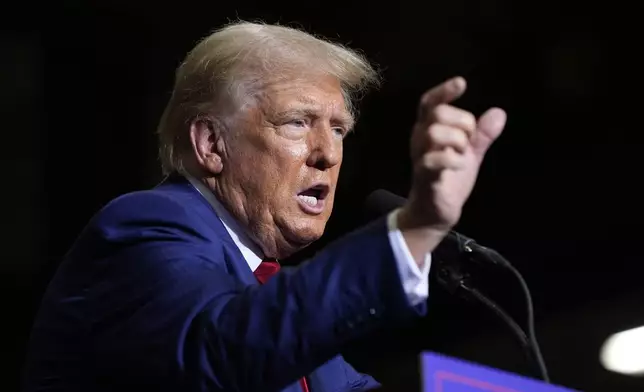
[
  {"x": 455, "y": 279},
  {"x": 381, "y": 202}
]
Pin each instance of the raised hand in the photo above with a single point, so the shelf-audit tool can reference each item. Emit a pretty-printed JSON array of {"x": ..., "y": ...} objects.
[{"x": 447, "y": 148}]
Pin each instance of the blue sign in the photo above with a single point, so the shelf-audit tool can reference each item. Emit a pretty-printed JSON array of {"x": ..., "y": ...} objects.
[{"x": 445, "y": 374}]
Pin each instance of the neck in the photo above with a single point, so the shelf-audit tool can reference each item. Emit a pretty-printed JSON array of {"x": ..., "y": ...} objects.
[{"x": 253, "y": 224}]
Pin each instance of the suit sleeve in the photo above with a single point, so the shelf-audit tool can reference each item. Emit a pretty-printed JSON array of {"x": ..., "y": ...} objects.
[{"x": 163, "y": 303}]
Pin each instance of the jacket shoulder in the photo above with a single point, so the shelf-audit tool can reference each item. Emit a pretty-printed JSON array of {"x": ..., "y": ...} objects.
[{"x": 150, "y": 215}]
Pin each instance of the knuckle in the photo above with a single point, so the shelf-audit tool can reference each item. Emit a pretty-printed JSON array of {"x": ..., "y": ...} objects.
[
  {"x": 452, "y": 159},
  {"x": 469, "y": 121},
  {"x": 462, "y": 139},
  {"x": 437, "y": 160},
  {"x": 435, "y": 131},
  {"x": 446, "y": 135},
  {"x": 431, "y": 160},
  {"x": 440, "y": 113}
]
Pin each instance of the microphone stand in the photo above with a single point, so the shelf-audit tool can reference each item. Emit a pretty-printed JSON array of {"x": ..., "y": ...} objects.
[{"x": 453, "y": 277}]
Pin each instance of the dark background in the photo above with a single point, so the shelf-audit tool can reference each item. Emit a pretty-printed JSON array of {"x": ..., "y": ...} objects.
[{"x": 82, "y": 85}]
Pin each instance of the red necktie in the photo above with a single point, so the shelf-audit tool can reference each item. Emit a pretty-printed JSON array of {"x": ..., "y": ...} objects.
[{"x": 264, "y": 271}]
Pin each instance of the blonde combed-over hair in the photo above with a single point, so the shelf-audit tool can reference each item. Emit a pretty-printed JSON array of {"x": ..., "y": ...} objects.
[{"x": 235, "y": 62}]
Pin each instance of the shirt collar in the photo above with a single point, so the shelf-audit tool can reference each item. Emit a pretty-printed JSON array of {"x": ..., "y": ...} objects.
[{"x": 249, "y": 249}]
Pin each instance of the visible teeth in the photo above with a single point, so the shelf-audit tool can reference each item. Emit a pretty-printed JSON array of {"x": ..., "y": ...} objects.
[{"x": 310, "y": 200}]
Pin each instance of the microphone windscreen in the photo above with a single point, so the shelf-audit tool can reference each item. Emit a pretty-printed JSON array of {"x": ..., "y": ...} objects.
[{"x": 381, "y": 202}]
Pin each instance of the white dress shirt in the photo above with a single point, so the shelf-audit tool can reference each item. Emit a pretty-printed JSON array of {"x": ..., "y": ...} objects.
[{"x": 415, "y": 280}]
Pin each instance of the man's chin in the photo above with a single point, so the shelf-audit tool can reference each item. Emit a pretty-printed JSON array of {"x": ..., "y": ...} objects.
[{"x": 299, "y": 238}]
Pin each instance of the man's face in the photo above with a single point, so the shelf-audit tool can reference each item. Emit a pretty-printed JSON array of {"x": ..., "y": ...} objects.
[{"x": 282, "y": 160}]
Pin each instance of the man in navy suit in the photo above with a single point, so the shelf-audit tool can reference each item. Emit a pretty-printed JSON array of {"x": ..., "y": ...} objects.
[{"x": 177, "y": 288}]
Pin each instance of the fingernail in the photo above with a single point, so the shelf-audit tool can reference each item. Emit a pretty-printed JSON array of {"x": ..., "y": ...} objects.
[{"x": 459, "y": 82}]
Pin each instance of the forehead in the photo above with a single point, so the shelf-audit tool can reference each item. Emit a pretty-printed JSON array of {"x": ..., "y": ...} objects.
[{"x": 321, "y": 94}]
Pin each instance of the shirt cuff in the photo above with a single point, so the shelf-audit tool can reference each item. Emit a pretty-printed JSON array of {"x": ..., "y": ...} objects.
[{"x": 415, "y": 279}]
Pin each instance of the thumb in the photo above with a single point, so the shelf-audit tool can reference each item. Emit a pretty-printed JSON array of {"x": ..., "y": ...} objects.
[{"x": 488, "y": 129}]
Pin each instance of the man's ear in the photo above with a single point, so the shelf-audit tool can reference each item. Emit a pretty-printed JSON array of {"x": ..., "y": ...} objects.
[{"x": 207, "y": 144}]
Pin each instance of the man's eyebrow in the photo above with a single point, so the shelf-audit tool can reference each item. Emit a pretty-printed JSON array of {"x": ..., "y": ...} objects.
[
  {"x": 308, "y": 106},
  {"x": 339, "y": 118},
  {"x": 347, "y": 121}
]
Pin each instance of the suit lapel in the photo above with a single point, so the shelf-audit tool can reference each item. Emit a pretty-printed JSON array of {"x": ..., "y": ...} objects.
[
  {"x": 181, "y": 188},
  {"x": 236, "y": 263}
]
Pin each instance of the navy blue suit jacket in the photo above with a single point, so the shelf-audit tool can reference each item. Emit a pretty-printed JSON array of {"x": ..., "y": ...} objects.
[{"x": 155, "y": 296}]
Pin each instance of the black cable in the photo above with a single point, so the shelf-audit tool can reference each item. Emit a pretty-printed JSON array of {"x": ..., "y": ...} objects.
[
  {"x": 452, "y": 276},
  {"x": 454, "y": 279},
  {"x": 532, "y": 335},
  {"x": 508, "y": 321}
]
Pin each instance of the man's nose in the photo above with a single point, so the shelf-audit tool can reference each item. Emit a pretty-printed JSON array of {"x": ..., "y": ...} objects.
[{"x": 326, "y": 148}]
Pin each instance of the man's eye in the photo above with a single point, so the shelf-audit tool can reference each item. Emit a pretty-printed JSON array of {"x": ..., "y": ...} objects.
[
  {"x": 340, "y": 131},
  {"x": 298, "y": 122}
]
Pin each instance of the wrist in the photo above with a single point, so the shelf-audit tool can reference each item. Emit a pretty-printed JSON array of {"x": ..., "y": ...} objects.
[
  {"x": 421, "y": 239},
  {"x": 411, "y": 219}
]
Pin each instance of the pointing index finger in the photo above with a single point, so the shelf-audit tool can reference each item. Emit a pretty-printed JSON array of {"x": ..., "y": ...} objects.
[{"x": 445, "y": 92}]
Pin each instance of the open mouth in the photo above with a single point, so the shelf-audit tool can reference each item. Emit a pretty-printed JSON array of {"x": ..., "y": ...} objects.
[{"x": 312, "y": 199}]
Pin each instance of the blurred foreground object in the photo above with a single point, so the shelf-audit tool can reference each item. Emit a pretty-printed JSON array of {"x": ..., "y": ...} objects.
[{"x": 623, "y": 352}]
